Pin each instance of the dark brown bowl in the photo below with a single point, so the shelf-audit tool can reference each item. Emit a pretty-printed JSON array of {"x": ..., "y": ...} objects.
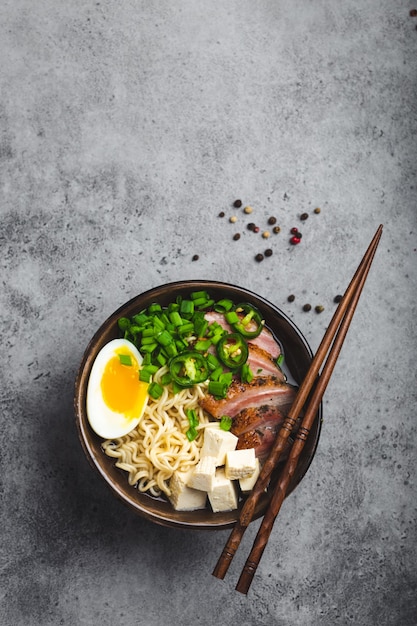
[{"x": 297, "y": 359}]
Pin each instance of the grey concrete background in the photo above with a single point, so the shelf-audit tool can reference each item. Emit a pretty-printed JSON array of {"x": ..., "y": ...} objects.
[{"x": 126, "y": 128}]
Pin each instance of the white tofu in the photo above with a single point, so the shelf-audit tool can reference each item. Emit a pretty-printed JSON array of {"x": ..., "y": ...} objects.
[
  {"x": 248, "y": 483},
  {"x": 203, "y": 475},
  {"x": 240, "y": 463},
  {"x": 223, "y": 496},
  {"x": 184, "y": 498},
  {"x": 217, "y": 442}
]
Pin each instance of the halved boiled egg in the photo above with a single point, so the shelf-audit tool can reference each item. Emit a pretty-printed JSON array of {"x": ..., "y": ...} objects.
[{"x": 116, "y": 398}]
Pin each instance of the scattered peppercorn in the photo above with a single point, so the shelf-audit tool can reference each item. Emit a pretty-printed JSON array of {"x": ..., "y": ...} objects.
[
  {"x": 307, "y": 307},
  {"x": 259, "y": 257},
  {"x": 317, "y": 210},
  {"x": 221, "y": 214},
  {"x": 268, "y": 252},
  {"x": 319, "y": 308},
  {"x": 236, "y": 236},
  {"x": 295, "y": 240},
  {"x": 291, "y": 298},
  {"x": 248, "y": 209},
  {"x": 303, "y": 216},
  {"x": 266, "y": 234},
  {"x": 276, "y": 230},
  {"x": 250, "y": 226},
  {"x": 233, "y": 219},
  {"x": 337, "y": 298},
  {"x": 272, "y": 221},
  {"x": 413, "y": 13},
  {"x": 294, "y": 230},
  {"x": 195, "y": 257},
  {"x": 237, "y": 204},
  {"x": 256, "y": 229}
]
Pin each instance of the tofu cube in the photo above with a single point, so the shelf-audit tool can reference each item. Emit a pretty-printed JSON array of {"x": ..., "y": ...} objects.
[
  {"x": 223, "y": 496},
  {"x": 248, "y": 483},
  {"x": 183, "y": 497},
  {"x": 203, "y": 475},
  {"x": 240, "y": 463},
  {"x": 217, "y": 442}
]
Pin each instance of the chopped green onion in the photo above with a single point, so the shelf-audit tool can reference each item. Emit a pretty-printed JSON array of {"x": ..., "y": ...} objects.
[
  {"x": 203, "y": 345},
  {"x": 125, "y": 359},
  {"x": 222, "y": 306},
  {"x": 123, "y": 323},
  {"x": 186, "y": 329},
  {"x": 175, "y": 318},
  {"x": 140, "y": 318},
  {"x": 155, "y": 307},
  {"x": 166, "y": 378},
  {"x": 147, "y": 340},
  {"x": 191, "y": 434},
  {"x": 187, "y": 308},
  {"x": 193, "y": 421},
  {"x": 226, "y": 422},
  {"x": 246, "y": 373},
  {"x": 280, "y": 360},
  {"x": 212, "y": 361},
  {"x": 145, "y": 375},
  {"x": 164, "y": 338},
  {"x": 231, "y": 317},
  {"x": 217, "y": 388},
  {"x": 155, "y": 390},
  {"x": 197, "y": 295}
]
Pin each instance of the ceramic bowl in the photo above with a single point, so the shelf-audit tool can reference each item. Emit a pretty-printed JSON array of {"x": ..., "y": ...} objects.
[{"x": 297, "y": 359}]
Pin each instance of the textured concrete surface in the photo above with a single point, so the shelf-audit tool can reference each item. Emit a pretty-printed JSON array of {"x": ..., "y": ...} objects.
[{"x": 125, "y": 129}]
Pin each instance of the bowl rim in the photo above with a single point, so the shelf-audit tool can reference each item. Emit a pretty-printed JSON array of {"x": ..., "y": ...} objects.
[{"x": 84, "y": 430}]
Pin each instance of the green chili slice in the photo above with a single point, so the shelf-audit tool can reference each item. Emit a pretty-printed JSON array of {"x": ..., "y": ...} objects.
[
  {"x": 189, "y": 368},
  {"x": 232, "y": 350},
  {"x": 251, "y": 324}
]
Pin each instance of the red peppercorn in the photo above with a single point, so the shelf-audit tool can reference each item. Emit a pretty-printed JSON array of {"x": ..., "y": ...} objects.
[
  {"x": 295, "y": 240},
  {"x": 256, "y": 229},
  {"x": 294, "y": 230}
]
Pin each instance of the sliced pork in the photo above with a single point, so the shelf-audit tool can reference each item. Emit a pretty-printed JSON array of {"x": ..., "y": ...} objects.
[
  {"x": 263, "y": 390},
  {"x": 266, "y": 340},
  {"x": 261, "y": 363},
  {"x": 257, "y": 427}
]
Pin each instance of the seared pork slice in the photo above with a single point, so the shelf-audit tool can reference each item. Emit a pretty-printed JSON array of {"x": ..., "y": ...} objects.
[
  {"x": 262, "y": 442},
  {"x": 256, "y": 417},
  {"x": 262, "y": 390},
  {"x": 265, "y": 340},
  {"x": 257, "y": 427},
  {"x": 261, "y": 362}
]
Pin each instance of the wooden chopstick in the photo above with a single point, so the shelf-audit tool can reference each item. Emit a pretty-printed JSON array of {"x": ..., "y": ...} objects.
[
  {"x": 280, "y": 490},
  {"x": 346, "y": 306}
]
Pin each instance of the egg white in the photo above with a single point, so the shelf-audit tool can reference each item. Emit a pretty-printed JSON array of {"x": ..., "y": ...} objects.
[{"x": 107, "y": 423}]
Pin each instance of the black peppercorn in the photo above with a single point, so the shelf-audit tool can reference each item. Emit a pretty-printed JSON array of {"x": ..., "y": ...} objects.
[
  {"x": 307, "y": 307},
  {"x": 236, "y": 236},
  {"x": 303, "y": 216},
  {"x": 272, "y": 220},
  {"x": 237, "y": 204},
  {"x": 291, "y": 298},
  {"x": 259, "y": 257},
  {"x": 195, "y": 257},
  {"x": 337, "y": 298},
  {"x": 276, "y": 230},
  {"x": 251, "y": 226},
  {"x": 268, "y": 252},
  {"x": 221, "y": 214}
]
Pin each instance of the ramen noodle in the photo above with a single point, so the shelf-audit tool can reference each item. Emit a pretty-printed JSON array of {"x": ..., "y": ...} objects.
[{"x": 158, "y": 446}]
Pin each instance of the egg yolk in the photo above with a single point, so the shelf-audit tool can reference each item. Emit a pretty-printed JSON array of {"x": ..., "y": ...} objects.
[{"x": 121, "y": 388}]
